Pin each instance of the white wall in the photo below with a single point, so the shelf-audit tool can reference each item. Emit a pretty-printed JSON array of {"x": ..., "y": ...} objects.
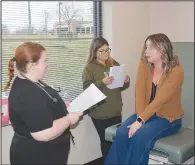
[
  {"x": 87, "y": 146},
  {"x": 125, "y": 27},
  {"x": 176, "y": 19},
  {"x": 7, "y": 134}
]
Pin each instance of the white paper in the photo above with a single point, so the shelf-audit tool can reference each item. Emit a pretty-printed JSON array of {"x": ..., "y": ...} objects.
[
  {"x": 118, "y": 73},
  {"x": 91, "y": 96}
]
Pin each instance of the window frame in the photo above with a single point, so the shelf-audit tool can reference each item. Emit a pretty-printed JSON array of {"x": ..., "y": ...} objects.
[{"x": 97, "y": 8}]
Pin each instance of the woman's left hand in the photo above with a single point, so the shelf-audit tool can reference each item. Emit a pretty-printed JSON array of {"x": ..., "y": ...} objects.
[
  {"x": 127, "y": 79},
  {"x": 133, "y": 128}
]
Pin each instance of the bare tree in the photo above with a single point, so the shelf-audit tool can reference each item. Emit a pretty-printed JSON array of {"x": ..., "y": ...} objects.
[
  {"x": 47, "y": 18},
  {"x": 68, "y": 13}
]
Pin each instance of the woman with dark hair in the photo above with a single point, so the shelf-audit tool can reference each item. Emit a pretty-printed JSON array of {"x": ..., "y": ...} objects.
[
  {"x": 37, "y": 113},
  {"x": 108, "y": 112},
  {"x": 158, "y": 104}
]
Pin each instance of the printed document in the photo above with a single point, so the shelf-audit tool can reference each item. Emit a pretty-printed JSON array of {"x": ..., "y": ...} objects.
[
  {"x": 91, "y": 96},
  {"x": 118, "y": 73}
]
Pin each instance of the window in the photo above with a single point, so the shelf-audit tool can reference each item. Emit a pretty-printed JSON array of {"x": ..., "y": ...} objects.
[{"x": 64, "y": 28}]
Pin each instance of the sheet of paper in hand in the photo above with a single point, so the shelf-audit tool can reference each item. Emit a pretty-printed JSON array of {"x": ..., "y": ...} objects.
[
  {"x": 119, "y": 76},
  {"x": 91, "y": 96}
]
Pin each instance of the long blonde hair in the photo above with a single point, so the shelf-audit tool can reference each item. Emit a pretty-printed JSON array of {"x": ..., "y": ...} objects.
[{"x": 161, "y": 43}]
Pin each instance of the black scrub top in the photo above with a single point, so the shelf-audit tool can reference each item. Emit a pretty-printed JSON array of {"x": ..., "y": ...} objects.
[{"x": 31, "y": 109}]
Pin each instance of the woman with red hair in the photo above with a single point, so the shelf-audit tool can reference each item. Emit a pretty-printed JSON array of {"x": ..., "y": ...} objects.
[{"x": 37, "y": 113}]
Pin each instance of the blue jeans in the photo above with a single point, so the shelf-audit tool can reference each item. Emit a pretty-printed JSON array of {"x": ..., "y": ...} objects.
[{"x": 135, "y": 150}]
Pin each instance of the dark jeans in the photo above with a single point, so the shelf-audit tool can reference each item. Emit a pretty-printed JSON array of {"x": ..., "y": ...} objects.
[
  {"x": 135, "y": 150},
  {"x": 100, "y": 126}
]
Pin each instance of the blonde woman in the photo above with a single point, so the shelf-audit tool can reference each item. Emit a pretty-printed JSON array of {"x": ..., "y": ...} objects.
[{"x": 158, "y": 104}]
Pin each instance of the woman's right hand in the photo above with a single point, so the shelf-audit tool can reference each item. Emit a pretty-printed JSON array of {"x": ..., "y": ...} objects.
[
  {"x": 74, "y": 117},
  {"x": 108, "y": 80}
]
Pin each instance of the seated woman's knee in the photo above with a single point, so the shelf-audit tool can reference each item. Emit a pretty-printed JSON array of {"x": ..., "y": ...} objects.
[
  {"x": 140, "y": 136},
  {"x": 122, "y": 131}
]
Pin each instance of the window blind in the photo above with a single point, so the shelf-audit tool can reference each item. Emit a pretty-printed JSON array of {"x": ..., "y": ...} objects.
[{"x": 64, "y": 28}]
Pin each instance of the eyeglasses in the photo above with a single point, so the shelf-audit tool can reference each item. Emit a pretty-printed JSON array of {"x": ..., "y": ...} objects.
[{"x": 105, "y": 51}]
